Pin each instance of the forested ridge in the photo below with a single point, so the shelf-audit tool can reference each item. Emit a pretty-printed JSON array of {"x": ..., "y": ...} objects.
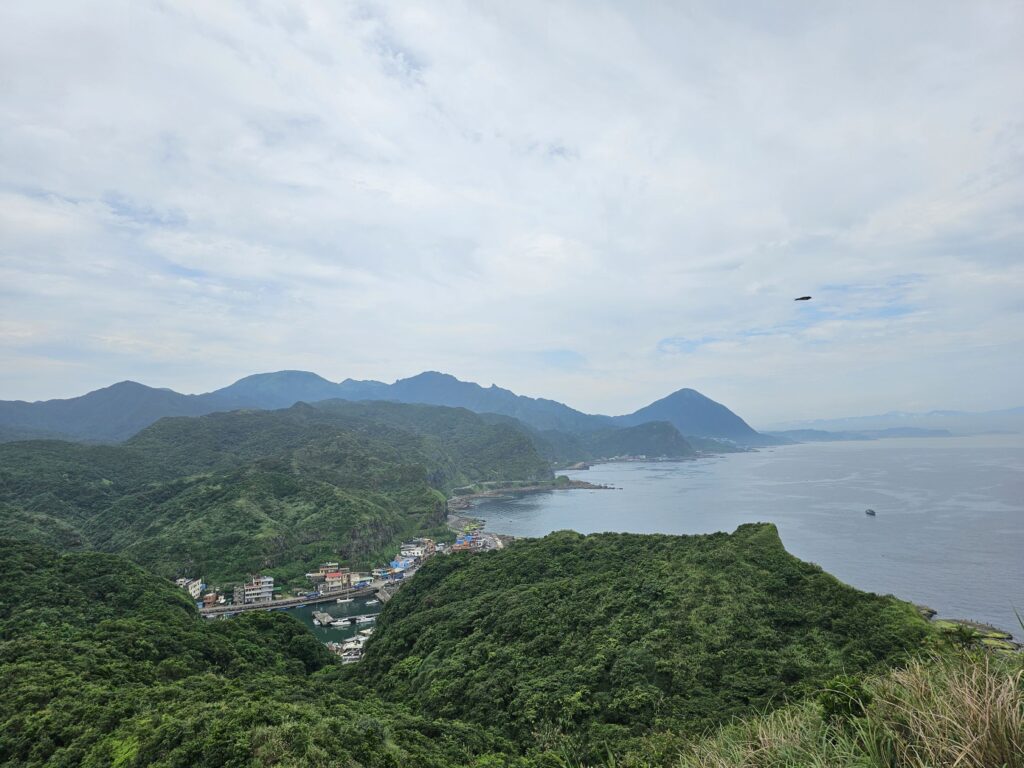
[
  {"x": 560, "y": 651},
  {"x": 103, "y": 663},
  {"x": 228, "y": 494},
  {"x": 567, "y": 651},
  {"x": 618, "y": 635},
  {"x": 121, "y": 410}
]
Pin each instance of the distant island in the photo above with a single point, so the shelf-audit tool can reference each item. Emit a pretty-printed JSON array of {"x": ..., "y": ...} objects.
[{"x": 824, "y": 436}]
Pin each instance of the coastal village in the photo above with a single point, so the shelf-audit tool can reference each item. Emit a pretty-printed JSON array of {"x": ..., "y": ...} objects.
[
  {"x": 333, "y": 583},
  {"x": 346, "y": 588}
]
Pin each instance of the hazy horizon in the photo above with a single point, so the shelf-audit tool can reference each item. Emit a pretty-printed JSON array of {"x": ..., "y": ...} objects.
[{"x": 191, "y": 194}]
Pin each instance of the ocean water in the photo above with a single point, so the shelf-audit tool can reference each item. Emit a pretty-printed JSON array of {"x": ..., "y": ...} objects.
[{"x": 949, "y": 530}]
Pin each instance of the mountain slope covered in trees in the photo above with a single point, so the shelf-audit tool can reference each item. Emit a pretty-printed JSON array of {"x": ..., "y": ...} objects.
[
  {"x": 233, "y": 493},
  {"x": 567, "y": 650},
  {"x": 694, "y": 414},
  {"x": 105, "y": 664},
  {"x": 616, "y": 636},
  {"x": 117, "y": 412}
]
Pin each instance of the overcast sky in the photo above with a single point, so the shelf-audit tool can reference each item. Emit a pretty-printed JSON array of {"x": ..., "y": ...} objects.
[{"x": 594, "y": 202}]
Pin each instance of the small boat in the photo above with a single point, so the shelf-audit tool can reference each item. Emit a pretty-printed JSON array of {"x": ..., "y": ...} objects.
[
  {"x": 316, "y": 622},
  {"x": 301, "y": 605},
  {"x": 373, "y": 602},
  {"x": 344, "y": 600},
  {"x": 869, "y": 512},
  {"x": 340, "y": 623},
  {"x": 365, "y": 619}
]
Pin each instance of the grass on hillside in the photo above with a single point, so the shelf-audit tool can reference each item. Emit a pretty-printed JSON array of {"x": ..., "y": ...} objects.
[{"x": 962, "y": 710}]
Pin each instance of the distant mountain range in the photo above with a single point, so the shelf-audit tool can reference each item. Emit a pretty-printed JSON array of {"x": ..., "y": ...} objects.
[
  {"x": 822, "y": 436},
  {"x": 117, "y": 412},
  {"x": 954, "y": 422}
]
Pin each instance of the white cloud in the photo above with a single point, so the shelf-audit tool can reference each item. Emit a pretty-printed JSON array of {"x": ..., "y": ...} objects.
[{"x": 535, "y": 195}]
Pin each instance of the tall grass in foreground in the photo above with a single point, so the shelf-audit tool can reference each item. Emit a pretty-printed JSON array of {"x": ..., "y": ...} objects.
[{"x": 955, "y": 711}]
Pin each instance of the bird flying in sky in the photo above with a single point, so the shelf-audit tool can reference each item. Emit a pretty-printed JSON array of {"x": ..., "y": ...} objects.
[{"x": 803, "y": 298}]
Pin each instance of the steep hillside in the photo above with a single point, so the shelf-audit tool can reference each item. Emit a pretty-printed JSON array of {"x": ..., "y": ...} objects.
[
  {"x": 228, "y": 494},
  {"x": 652, "y": 438},
  {"x": 655, "y": 439},
  {"x": 442, "y": 389},
  {"x": 456, "y": 446},
  {"x": 273, "y": 390},
  {"x": 614, "y": 635},
  {"x": 109, "y": 414},
  {"x": 106, "y": 664},
  {"x": 694, "y": 414}
]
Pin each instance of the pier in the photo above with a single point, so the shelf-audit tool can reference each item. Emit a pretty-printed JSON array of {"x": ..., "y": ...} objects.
[{"x": 291, "y": 602}]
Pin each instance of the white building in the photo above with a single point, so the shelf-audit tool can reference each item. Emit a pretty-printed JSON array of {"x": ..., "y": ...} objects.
[
  {"x": 193, "y": 586},
  {"x": 259, "y": 590}
]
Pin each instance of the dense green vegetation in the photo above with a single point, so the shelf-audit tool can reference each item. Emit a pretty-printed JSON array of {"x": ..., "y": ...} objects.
[
  {"x": 228, "y": 494},
  {"x": 954, "y": 710},
  {"x": 104, "y": 664},
  {"x": 655, "y": 439},
  {"x": 119, "y": 411},
  {"x": 567, "y": 651},
  {"x": 614, "y": 636}
]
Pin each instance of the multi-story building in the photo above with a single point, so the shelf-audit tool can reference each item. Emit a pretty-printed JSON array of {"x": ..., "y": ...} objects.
[
  {"x": 194, "y": 587},
  {"x": 401, "y": 564},
  {"x": 418, "y": 548},
  {"x": 259, "y": 589},
  {"x": 337, "y": 580},
  {"x": 360, "y": 579}
]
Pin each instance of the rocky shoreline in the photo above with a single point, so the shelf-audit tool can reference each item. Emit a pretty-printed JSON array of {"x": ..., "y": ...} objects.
[
  {"x": 985, "y": 635},
  {"x": 465, "y": 501}
]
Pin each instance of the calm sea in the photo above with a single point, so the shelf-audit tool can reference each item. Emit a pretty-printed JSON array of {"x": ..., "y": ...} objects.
[
  {"x": 949, "y": 530},
  {"x": 357, "y": 607}
]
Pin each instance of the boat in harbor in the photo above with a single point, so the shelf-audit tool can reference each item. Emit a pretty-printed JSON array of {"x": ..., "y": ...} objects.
[
  {"x": 322, "y": 619},
  {"x": 365, "y": 619},
  {"x": 373, "y": 601},
  {"x": 344, "y": 600}
]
